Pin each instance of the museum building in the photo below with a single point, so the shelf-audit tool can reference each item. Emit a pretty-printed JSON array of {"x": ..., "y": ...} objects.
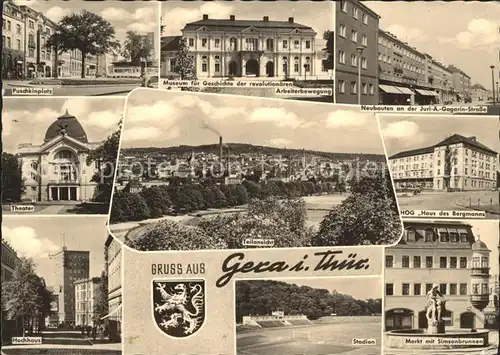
[
  {"x": 57, "y": 169},
  {"x": 443, "y": 253},
  {"x": 457, "y": 163},
  {"x": 249, "y": 48}
]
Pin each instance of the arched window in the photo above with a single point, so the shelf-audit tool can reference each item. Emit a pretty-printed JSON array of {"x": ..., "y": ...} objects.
[
  {"x": 64, "y": 154},
  {"x": 204, "y": 64},
  {"x": 217, "y": 64},
  {"x": 233, "y": 44},
  {"x": 307, "y": 64},
  {"x": 296, "y": 64}
]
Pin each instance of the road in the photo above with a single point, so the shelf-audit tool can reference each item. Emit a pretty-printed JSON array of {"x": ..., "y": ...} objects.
[
  {"x": 453, "y": 201},
  {"x": 311, "y": 340}
]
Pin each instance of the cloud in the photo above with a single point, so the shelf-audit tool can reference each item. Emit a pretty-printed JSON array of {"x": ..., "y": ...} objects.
[
  {"x": 219, "y": 113},
  {"x": 407, "y": 34},
  {"x": 103, "y": 119},
  {"x": 480, "y": 34},
  {"x": 348, "y": 119},
  {"x": 406, "y": 132},
  {"x": 144, "y": 19},
  {"x": 279, "y": 142},
  {"x": 56, "y": 13},
  {"x": 278, "y": 116},
  {"x": 27, "y": 243},
  {"x": 161, "y": 112},
  {"x": 149, "y": 133},
  {"x": 176, "y": 18}
]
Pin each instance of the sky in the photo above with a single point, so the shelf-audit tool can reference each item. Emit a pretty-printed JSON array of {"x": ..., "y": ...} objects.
[
  {"x": 361, "y": 288},
  {"x": 98, "y": 116},
  {"x": 465, "y": 34},
  {"x": 176, "y": 14},
  {"x": 36, "y": 237},
  {"x": 164, "y": 119},
  {"x": 403, "y": 133},
  {"x": 140, "y": 16}
]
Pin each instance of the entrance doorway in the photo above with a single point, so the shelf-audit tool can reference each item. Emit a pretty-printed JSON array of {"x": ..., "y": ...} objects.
[
  {"x": 400, "y": 318},
  {"x": 47, "y": 72},
  {"x": 72, "y": 193},
  {"x": 64, "y": 193},
  {"x": 270, "y": 69},
  {"x": 233, "y": 68},
  {"x": 468, "y": 320},
  {"x": 252, "y": 68}
]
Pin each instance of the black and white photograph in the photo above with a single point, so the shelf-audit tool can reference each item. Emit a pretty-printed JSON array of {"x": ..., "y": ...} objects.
[
  {"x": 417, "y": 53},
  {"x": 442, "y": 288},
  {"x": 205, "y": 171},
  {"x": 78, "y": 48},
  {"x": 61, "y": 286},
  {"x": 447, "y": 163},
  {"x": 239, "y": 48},
  {"x": 309, "y": 316},
  {"x": 59, "y": 155}
]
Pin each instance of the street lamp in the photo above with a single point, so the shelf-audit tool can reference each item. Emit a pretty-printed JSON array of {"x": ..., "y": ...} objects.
[
  {"x": 360, "y": 52},
  {"x": 492, "y": 67}
]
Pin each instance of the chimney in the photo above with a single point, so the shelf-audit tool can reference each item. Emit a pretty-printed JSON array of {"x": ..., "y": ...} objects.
[
  {"x": 205, "y": 17},
  {"x": 231, "y": 17},
  {"x": 266, "y": 18},
  {"x": 473, "y": 138},
  {"x": 228, "y": 163},
  {"x": 290, "y": 19},
  {"x": 220, "y": 150}
]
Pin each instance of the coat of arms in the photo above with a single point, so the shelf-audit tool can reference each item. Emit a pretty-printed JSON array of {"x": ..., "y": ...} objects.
[{"x": 179, "y": 306}]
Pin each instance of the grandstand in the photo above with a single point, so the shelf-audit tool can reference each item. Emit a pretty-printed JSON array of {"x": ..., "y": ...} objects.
[{"x": 276, "y": 319}]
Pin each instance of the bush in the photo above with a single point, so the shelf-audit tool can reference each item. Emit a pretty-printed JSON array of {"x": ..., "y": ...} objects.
[
  {"x": 128, "y": 207},
  {"x": 168, "y": 235},
  {"x": 157, "y": 200}
]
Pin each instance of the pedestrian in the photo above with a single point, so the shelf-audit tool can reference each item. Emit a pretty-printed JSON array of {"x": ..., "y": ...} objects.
[{"x": 94, "y": 332}]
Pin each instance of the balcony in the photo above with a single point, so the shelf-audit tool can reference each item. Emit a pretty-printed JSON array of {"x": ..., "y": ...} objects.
[
  {"x": 63, "y": 181},
  {"x": 480, "y": 271},
  {"x": 480, "y": 301}
]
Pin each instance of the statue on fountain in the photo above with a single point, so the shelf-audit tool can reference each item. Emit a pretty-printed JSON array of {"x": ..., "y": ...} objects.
[{"x": 435, "y": 308}]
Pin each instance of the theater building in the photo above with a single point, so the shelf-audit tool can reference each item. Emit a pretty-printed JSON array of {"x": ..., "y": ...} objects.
[
  {"x": 57, "y": 169},
  {"x": 443, "y": 253},
  {"x": 250, "y": 49},
  {"x": 113, "y": 271},
  {"x": 457, "y": 163},
  {"x": 356, "y": 44}
]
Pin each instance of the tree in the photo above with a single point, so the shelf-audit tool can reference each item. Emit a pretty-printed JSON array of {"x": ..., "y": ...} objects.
[
  {"x": 101, "y": 307},
  {"x": 184, "y": 65},
  {"x": 157, "y": 201},
  {"x": 12, "y": 181},
  {"x": 135, "y": 48},
  {"x": 128, "y": 207},
  {"x": 89, "y": 33},
  {"x": 25, "y": 296},
  {"x": 106, "y": 155},
  {"x": 55, "y": 43},
  {"x": 329, "y": 37}
]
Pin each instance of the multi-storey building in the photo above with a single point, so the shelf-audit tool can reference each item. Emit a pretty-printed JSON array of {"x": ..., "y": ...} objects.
[
  {"x": 253, "y": 48},
  {"x": 113, "y": 271},
  {"x": 10, "y": 261},
  {"x": 87, "y": 294},
  {"x": 356, "y": 44},
  {"x": 436, "y": 253},
  {"x": 440, "y": 79},
  {"x": 461, "y": 83},
  {"x": 56, "y": 170},
  {"x": 72, "y": 265},
  {"x": 457, "y": 162},
  {"x": 479, "y": 93},
  {"x": 13, "y": 39}
]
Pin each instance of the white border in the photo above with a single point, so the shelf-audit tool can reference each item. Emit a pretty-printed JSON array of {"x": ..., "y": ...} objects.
[{"x": 293, "y": 102}]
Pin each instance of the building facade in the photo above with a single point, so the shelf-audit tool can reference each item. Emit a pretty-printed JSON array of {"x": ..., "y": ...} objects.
[
  {"x": 57, "y": 170},
  {"x": 456, "y": 163},
  {"x": 10, "y": 261},
  {"x": 442, "y": 253},
  {"x": 113, "y": 270},
  {"x": 461, "y": 83},
  {"x": 356, "y": 42},
  {"x": 13, "y": 39},
  {"x": 72, "y": 265},
  {"x": 87, "y": 294},
  {"x": 252, "y": 48}
]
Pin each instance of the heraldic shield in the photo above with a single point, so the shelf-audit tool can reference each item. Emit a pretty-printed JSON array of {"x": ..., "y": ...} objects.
[{"x": 179, "y": 306}]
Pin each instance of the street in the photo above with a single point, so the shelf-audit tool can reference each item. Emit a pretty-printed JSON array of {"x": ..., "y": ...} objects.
[
  {"x": 457, "y": 201},
  {"x": 73, "y": 90}
]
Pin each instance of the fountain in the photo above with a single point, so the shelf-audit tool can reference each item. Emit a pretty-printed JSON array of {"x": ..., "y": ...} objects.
[{"x": 435, "y": 336}]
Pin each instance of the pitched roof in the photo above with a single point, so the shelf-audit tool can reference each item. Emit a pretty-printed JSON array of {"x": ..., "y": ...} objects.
[
  {"x": 238, "y": 25},
  {"x": 170, "y": 43},
  {"x": 409, "y": 153}
]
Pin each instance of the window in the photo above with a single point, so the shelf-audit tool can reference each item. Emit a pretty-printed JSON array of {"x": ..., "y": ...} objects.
[
  {"x": 443, "y": 262},
  {"x": 307, "y": 65},
  {"x": 341, "y": 87},
  {"x": 405, "y": 289},
  {"x": 405, "y": 261},
  {"x": 428, "y": 287},
  {"x": 442, "y": 288},
  {"x": 9, "y": 42},
  {"x": 484, "y": 289},
  {"x": 428, "y": 262},
  {"x": 365, "y": 19},
  {"x": 191, "y": 42},
  {"x": 354, "y": 87},
  {"x": 204, "y": 42},
  {"x": 443, "y": 236},
  {"x": 342, "y": 31},
  {"x": 308, "y": 44},
  {"x": 233, "y": 44},
  {"x": 476, "y": 262},
  {"x": 454, "y": 237},
  {"x": 364, "y": 63},
  {"x": 18, "y": 44},
  {"x": 18, "y": 29},
  {"x": 475, "y": 289},
  {"x": 354, "y": 36},
  {"x": 252, "y": 44},
  {"x": 172, "y": 65},
  {"x": 296, "y": 65},
  {"x": 217, "y": 64},
  {"x": 370, "y": 86},
  {"x": 270, "y": 44},
  {"x": 354, "y": 61},
  {"x": 355, "y": 12},
  {"x": 343, "y": 6},
  {"x": 417, "y": 289},
  {"x": 341, "y": 57},
  {"x": 464, "y": 238},
  {"x": 429, "y": 236},
  {"x": 463, "y": 262},
  {"x": 217, "y": 43},
  {"x": 389, "y": 261},
  {"x": 417, "y": 262},
  {"x": 204, "y": 64},
  {"x": 296, "y": 44},
  {"x": 364, "y": 41},
  {"x": 389, "y": 289},
  {"x": 453, "y": 289},
  {"x": 485, "y": 262},
  {"x": 364, "y": 88},
  {"x": 410, "y": 235},
  {"x": 285, "y": 44},
  {"x": 463, "y": 289}
]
